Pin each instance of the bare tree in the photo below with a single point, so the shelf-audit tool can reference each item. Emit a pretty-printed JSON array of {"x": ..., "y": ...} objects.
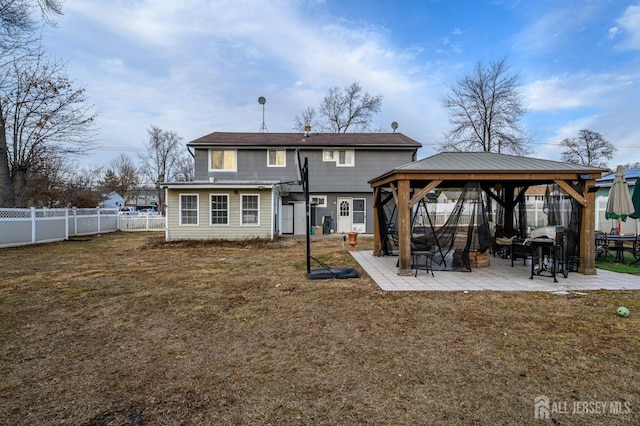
[
  {"x": 309, "y": 117},
  {"x": 485, "y": 111},
  {"x": 121, "y": 175},
  {"x": 17, "y": 34},
  {"x": 588, "y": 149},
  {"x": 342, "y": 109},
  {"x": 46, "y": 113},
  {"x": 163, "y": 151},
  {"x": 185, "y": 168},
  {"x": 56, "y": 182},
  {"x": 80, "y": 187}
]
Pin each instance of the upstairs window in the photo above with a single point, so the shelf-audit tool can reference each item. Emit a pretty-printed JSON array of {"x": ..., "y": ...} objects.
[
  {"x": 276, "y": 158},
  {"x": 221, "y": 160},
  {"x": 345, "y": 158},
  {"x": 342, "y": 157}
]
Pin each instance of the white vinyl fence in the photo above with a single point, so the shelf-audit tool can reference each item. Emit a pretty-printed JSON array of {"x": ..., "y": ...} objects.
[
  {"x": 141, "y": 223},
  {"x": 31, "y": 226},
  {"x": 536, "y": 216}
]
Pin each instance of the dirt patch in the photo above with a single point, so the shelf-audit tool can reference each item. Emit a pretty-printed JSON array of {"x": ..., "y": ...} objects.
[{"x": 127, "y": 329}]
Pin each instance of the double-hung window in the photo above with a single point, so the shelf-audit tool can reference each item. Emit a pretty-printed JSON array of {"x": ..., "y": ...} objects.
[
  {"x": 250, "y": 206},
  {"x": 189, "y": 209},
  {"x": 222, "y": 160},
  {"x": 342, "y": 157},
  {"x": 219, "y": 209},
  {"x": 276, "y": 158}
]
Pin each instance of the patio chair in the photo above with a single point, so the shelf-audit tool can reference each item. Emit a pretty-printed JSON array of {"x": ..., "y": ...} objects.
[
  {"x": 502, "y": 242},
  {"x": 601, "y": 247}
]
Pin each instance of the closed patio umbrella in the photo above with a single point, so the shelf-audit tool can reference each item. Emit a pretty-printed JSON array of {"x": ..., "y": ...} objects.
[{"x": 619, "y": 205}]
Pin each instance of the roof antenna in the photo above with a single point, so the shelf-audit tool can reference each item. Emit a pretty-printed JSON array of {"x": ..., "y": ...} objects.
[
  {"x": 394, "y": 126},
  {"x": 262, "y": 100}
]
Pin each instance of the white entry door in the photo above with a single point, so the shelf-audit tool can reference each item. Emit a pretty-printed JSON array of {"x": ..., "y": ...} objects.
[{"x": 345, "y": 215}]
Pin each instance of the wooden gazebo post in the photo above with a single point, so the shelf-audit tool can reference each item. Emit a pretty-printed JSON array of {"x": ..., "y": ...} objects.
[
  {"x": 404, "y": 227},
  {"x": 377, "y": 242},
  {"x": 588, "y": 233}
]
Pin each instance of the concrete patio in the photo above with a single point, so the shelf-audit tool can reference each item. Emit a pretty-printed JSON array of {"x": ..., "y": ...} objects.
[{"x": 500, "y": 276}]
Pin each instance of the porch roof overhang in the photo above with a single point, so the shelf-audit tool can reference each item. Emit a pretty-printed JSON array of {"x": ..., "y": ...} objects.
[{"x": 222, "y": 184}]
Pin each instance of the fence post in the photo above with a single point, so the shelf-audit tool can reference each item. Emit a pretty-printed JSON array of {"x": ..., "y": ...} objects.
[
  {"x": 75, "y": 221},
  {"x": 33, "y": 225},
  {"x": 66, "y": 224},
  {"x": 148, "y": 221},
  {"x": 98, "y": 220}
]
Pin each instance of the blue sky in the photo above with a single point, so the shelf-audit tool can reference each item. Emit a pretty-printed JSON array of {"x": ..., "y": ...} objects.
[{"x": 199, "y": 66}]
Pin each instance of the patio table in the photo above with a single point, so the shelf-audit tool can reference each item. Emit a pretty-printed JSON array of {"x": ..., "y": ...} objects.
[{"x": 617, "y": 244}]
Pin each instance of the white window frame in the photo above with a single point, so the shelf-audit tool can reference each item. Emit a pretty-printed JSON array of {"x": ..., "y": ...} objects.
[
  {"x": 346, "y": 164},
  {"x": 316, "y": 198},
  {"x": 284, "y": 158},
  {"x": 333, "y": 155},
  {"x": 242, "y": 214},
  {"x": 235, "y": 160},
  {"x": 328, "y": 155},
  {"x": 197, "y": 210},
  {"x": 211, "y": 209}
]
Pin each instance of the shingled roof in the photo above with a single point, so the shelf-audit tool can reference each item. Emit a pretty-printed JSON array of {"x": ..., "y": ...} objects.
[{"x": 317, "y": 140}]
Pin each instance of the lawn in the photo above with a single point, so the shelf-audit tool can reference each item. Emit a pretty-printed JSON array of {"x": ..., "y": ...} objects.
[{"x": 124, "y": 329}]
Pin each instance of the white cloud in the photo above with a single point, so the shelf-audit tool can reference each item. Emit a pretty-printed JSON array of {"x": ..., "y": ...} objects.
[
  {"x": 199, "y": 66},
  {"x": 580, "y": 90},
  {"x": 630, "y": 24}
]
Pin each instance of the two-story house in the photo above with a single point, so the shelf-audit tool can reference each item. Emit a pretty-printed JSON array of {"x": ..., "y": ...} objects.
[{"x": 245, "y": 183}]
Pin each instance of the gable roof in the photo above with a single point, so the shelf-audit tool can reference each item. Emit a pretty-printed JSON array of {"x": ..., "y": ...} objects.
[
  {"x": 491, "y": 162},
  {"x": 299, "y": 140}
]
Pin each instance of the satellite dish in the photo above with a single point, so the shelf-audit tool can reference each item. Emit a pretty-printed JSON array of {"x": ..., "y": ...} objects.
[
  {"x": 298, "y": 165},
  {"x": 262, "y": 100},
  {"x": 394, "y": 126}
]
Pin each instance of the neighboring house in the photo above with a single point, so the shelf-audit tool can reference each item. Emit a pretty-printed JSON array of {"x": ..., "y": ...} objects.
[
  {"x": 448, "y": 197},
  {"x": 604, "y": 184},
  {"x": 245, "y": 183},
  {"x": 112, "y": 200},
  {"x": 535, "y": 194},
  {"x": 140, "y": 196}
]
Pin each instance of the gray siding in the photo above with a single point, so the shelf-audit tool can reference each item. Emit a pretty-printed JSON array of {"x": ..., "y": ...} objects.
[{"x": 324, "y": 176}]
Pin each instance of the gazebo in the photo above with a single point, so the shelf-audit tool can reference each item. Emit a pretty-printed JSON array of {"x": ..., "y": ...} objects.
[{"x": 411, "y": 183}]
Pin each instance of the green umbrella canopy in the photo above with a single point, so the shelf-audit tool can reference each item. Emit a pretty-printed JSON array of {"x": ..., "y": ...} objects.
[
  {"x": 619, "y": 205},
  {"x": 636, "y": 200}
]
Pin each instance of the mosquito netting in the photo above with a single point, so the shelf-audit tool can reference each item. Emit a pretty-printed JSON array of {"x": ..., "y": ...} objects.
[
  {"x": 463, "y": 230},
  {"x": 468, "y": 227}
]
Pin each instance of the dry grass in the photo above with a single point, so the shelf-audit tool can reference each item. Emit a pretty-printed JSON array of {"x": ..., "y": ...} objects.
[{"x": 126, "y": 330}]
